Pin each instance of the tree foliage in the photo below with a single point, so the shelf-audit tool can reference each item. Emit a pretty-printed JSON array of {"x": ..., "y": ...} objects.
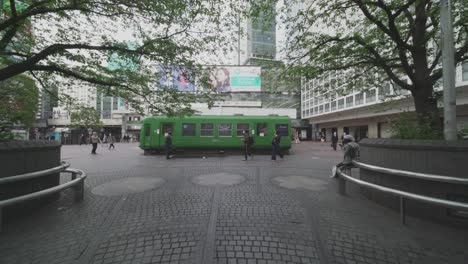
[
  {"x": 85, "y": 117},
  {"x": 19, "y": 99},
  {"x": 367, "y": 43},
  {"x": 72, "y": 42}
]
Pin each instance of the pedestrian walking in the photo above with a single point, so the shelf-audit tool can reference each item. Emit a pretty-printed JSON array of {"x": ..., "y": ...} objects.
[
  {"x": 104, "y": 139},
  {"x": 94, "y": 141},
  {"x": 111, "y": 140},
  {"x": 168, "y": 145},
  {"x": 334, "y": 140},
  {"x": 83, "y": 140},
  {"x": 275, "y": 142},
  {"x": 248, "y": 142}
]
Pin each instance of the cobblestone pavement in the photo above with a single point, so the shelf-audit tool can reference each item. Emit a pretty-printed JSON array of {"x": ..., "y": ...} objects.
[{"x": 220, "y": 210}]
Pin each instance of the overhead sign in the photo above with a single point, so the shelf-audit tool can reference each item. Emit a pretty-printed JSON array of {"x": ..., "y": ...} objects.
[{"x": 236, "y": 79}]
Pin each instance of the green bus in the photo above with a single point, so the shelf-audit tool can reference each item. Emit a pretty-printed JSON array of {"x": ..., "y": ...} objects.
[{"x": 219, "y": 133}]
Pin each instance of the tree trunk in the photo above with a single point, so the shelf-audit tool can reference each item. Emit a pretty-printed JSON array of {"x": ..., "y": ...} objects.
[{"x": 426, "y": 106}]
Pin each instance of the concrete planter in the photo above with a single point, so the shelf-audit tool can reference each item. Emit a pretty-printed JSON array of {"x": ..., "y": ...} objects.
[
  {"x": 19, "y": 157},
  {"x": 424, "y": 156}
]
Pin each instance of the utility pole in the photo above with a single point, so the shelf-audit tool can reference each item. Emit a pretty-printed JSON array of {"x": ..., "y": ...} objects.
[
  {"x": 238, "y": 40},
  {"x": 448, "y": 73}
]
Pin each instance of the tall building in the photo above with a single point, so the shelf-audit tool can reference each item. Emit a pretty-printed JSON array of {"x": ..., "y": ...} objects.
[{"x": 261, "y": 37}]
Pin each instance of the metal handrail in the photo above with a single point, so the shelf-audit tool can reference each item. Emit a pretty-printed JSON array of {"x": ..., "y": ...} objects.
[
  {"x": 48, "y": 191},
  {"x": 35, "y": 174},
  {"x": 402, "y": 194},
  {"x": 423, "y": 176},
  {"x": 76, "y": 182}
]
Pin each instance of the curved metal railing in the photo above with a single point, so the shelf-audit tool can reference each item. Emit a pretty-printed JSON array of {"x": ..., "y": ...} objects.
[
  {"x": 77, "y": 182},
  {"x": 402, "y": 194},
  {"x": 423, "y": 176}
]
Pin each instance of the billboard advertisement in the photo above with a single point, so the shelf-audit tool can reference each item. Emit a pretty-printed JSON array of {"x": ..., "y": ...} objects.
[
  {"x": 235, "y": 79},
  {"x": 176, "y": 78}
]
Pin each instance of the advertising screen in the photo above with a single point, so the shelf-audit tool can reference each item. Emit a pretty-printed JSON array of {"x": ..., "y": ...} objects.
[
  {"x": 176, "y": 78},
  {"x": 236, "y": 79}
]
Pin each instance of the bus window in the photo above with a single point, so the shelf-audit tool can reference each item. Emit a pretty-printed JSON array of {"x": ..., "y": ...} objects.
[
  {"x": 225, "y": 130},
  {"x": 147, "y": 130},
  {"x": 188, "y": 129},
  {"x": 241, "y": 128},
  {"x": 207, "y": 130},
  {"x": 282, "y": 129},
  {"x": 262, "y": 129}
]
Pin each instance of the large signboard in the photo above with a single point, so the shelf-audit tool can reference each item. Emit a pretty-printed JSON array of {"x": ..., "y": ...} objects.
[
  {"x": 179, "y": 78},
  {"x": 236, "y": 79}
]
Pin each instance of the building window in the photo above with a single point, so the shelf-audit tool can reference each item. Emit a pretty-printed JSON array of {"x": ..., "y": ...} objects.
[
  {"x": 316, "y": 110},
  {"x": 188, "y": 129},
  {"x": 341, "y": 104},
  {"x": 327, "y": 107},
  {"x": 282, "y": 129},
  {"x": 207, "y": 130},
  {"x": 333, "y": 106},
  {"x": 241, "y": 128},
  {"x": 370, "y": 96},
  {"x": 321, "y": 109},
  {"x": 349, "y": 101},
  {"x": 115, "y": 103},
  {"x": 262, "y": 129},
  {"x": 465, "y": 71},
  {"x": 225, "y": 130},
  {"x": 385, "y": 91},
  {"x": 359, "y": 98}
]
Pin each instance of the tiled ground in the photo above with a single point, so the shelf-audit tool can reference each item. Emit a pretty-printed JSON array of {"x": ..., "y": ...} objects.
[{"x": 253, "y": 221}]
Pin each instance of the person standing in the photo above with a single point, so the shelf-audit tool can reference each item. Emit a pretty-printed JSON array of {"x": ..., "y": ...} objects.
[
  {"x": 276, "y": 146},
  {"x": 111, "y": 140},
  {"x": 334, "y": 140},
  {"x": 248, "y": 142},
  {"x": 296, "y": 137},
  {"x": 168, "y": 145},
  {"x": 94, "y": 141}
]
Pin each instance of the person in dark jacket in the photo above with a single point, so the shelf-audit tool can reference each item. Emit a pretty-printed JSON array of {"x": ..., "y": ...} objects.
[
  {"x": 248, "y": 141},
  {"x": 334, "y": 140},
  {"x": 276, "y": 146},
  {"x": 168, "y": 145}
]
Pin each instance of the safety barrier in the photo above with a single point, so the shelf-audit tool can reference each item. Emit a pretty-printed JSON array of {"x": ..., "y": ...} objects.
[
  {"x": 77, "y": 182},
  {"x": 343, "y": 177}
]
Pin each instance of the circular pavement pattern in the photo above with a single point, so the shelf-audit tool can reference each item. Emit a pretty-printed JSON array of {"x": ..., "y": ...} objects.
[
  {"x": 221, "y": 178},
  {"x": 300, "y": 182},
  {"x": 127, "y": 186}
]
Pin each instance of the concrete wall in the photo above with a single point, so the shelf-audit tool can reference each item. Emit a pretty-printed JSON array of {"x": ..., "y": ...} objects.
[
  {"x": 21, "y": 157},
  {"x": 424, "y": 156}
]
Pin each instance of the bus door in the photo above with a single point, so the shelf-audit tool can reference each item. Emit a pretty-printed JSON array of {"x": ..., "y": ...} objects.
[{"x": 165, "y": 128}]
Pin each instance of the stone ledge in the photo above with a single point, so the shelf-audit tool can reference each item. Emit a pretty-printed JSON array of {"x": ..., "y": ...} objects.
[
  {"x": 22, "y": 145},
  {"x": 458, "y": 146}
]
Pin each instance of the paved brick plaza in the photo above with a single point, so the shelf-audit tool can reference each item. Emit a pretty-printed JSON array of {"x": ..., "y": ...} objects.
[{"x": 146, "y": 209}]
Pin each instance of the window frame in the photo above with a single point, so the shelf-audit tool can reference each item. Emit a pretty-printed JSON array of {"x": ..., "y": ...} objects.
[
  {"x": 194, "y": 129},
  {"x": 241, "y": 130},
  {"x": 212, "y": 130},
  {"x": 230, "y": 130}
]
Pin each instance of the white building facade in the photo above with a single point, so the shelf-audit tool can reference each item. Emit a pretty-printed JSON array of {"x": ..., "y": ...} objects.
[{"x": 366, "y": 113}]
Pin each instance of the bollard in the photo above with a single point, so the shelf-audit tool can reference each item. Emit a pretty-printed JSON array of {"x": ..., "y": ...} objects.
[
  {"x": 79, "y": 190},
  {"x": 342, "y": 186},
  {"x": 402, "y": 210}
]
